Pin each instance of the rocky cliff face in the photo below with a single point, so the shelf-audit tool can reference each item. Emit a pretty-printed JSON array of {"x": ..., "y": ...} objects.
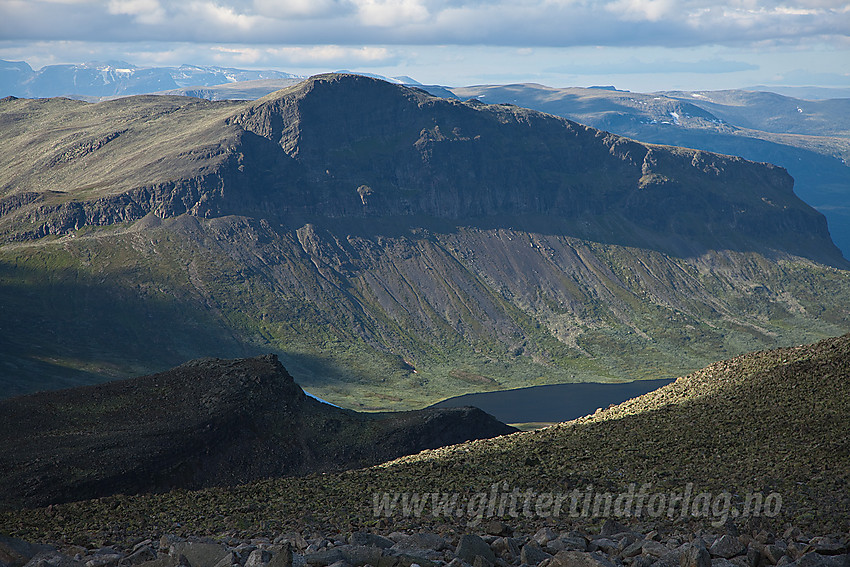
[
  {"x": 209, "y": 422},
  {"x": 346, "y": 146}
]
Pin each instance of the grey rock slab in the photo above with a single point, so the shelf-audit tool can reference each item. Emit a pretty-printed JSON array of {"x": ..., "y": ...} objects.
[
  {"x": 162, "y": 560},
  {"x": 695, "y": 555},
  {"x": 140, "y": 555},
  {"x": 545, "y": 535},
  {"x": 633, "y": 549},
  {"x": 374, "y": 540},
  {"x": 52, "y": 559},
  {"x": 580, "y": 559},
  {"x": 361, "y": 554},
  {"x": 405, "y": 560},
  {"x": 774, "y": 552},
  {"x": 198, "y": 554},
  {"x": 424, "y": 540},
  {"x": 282, "y": 558},
  {"x": 813, "y": 559},
  {"x": 352, "y": 554},
  {"x": 505, "y": 548},
  {"x": 532, "y": 554},
  {"x": 726, "y": 547},
  {"x": 104, "y": 560},
  {"x": 654, "y": 548},
  {"x": 230, "y": 558},
  {"x": 17, "y": 552},
  {"x": 573, "y": 543},
  {"x": 721, "y": 562},
  {"x": 670, "y": 559},
  {"x": 257, "y": 558},
  {"x": 612, "y": 527},
  {"x": 471, "y": 545},
  {"x": 825, "y": 546},
  {"x": 324, "y": 557},
  {"x": 498, "y": 528},
  {"x": 607, "y": 545},
  {"x": 753, "y": 554}
]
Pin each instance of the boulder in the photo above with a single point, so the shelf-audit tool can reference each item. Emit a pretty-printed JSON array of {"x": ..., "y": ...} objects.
[
  {"x": 369, "y": 539},
  {"x": 654, "y": 548},
  {"x": 498, "y": 528},
  {"x": 580, "y": 559},
  {"x": 258, "y": 558},
  {"x": 545, "y": 535},
  {"x": 532, "y": 554},
  {"x": 695, "y": 555},
  {"x": 140, "y": 554},
  {"x": 16, "y": 552},
  {"x": 471, "y": 545},
  {"x": 613, "y": 527},
  {"x": 282, "y": 558},
  {"x": 727, "y": 547},
  {"x": 198, "y": 554}
]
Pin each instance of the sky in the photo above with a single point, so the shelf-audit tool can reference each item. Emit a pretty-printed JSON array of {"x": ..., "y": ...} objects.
[{"x": 640, "y": 45}]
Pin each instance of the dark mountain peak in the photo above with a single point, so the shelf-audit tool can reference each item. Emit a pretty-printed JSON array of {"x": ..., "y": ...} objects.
[
  {"x": 260, "y": 379},
  {"x": 360, "y": 147}
]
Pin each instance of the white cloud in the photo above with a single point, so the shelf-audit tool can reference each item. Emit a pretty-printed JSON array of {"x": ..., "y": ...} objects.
[
  {"x": 330, "y": 55},
  {"x": 221, "y": 17},
  {"x": 643, "y": 10},
  {"x": 284, "y": 9},
  {"x": 514, "y": 23},
  {"x": 387, "y": 13},
  {"x": 149, "y": 12}
]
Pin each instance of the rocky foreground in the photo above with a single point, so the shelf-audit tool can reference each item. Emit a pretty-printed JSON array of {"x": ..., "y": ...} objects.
[
  {"x": 772, "y": 425},
  {"x": 615, "y": 545}
]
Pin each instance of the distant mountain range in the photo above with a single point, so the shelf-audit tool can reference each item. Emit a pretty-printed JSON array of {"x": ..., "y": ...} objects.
[
  {"x": 96, "y": 80},
  {"x": 393, "y": 248},
  {"x": 116, "y": 78}
]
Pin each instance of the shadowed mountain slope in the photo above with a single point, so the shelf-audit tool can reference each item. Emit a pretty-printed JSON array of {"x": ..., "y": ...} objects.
[
  {"x": 767, "y": 422},
  {"x": 392, "y": 247},
  {"x": 209, "y": 422}
]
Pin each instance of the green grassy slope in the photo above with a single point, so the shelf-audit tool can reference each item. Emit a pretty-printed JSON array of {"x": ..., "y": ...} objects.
[{"x": 393, "y": 321}]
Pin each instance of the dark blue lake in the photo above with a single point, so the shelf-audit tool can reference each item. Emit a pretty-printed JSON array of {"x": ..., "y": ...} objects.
[{"x": 552, "y": 403}]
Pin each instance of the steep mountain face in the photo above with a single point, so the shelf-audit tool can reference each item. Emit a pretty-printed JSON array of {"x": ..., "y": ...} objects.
[
  {"x": 350, "y": 146},
  {"x": 392, "y": 247},
  {"x": 209, "y": 422},
  {"x": 811, "y": 139}
]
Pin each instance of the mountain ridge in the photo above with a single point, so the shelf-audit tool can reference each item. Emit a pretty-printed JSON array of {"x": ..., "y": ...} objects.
[
  {"x": 208, "y": 422},
  {"x": 408, "y": 168}
]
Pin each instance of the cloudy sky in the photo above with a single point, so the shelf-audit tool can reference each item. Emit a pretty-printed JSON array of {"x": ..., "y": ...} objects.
[{"x": 633, "y": 44}]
